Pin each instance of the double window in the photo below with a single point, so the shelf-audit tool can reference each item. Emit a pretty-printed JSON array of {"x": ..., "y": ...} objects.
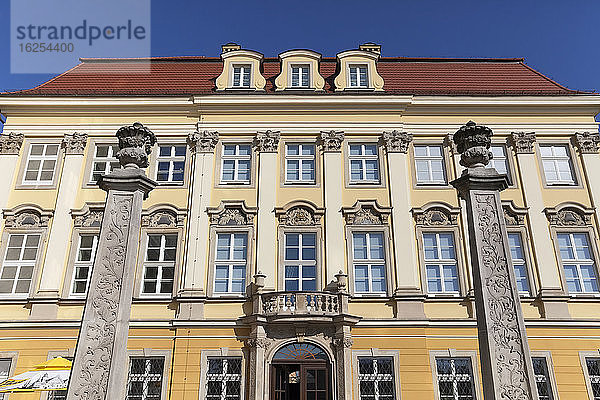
[
  {"x": 578, "y": 262},
  {"x": 241, "y": 76},
  {"x": 170, "y": 164},
  {"x": 515, "y": 244},
  {"x": 300, "y": 163},
  {"x": 41, "y": 164},
  {"x": 230, "y": 264},
  {"x": 159, "y": 266},
  {"x": 224, "y": 378},
  {"x": 104, "y": 161},
  {"x": 358, "y": 76},
  {"x": 368, "y": 255},
  {"x": 300, "y": 262},
  {"x": 300, "y": 76},
  {"x": 440, "y": 262},
  {"x": 364, "y": 163},
  {"x": 429, "y": 165},
  {"x": 145, "y": 378},
  {"x": 376, "y": 378},
  {"x": 19, "y": 262},
  {"x": 235, "y": 164},
  {"x": 557, "y": 164},
  {"x": 455, "y": 378},
  {"x": 84, "y": 261}
]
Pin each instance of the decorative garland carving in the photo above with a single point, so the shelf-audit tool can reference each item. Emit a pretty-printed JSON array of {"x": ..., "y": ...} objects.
[
  {"x": 587, "y": 142},
  {"x": 232, "y": 213},
  {"x": 436, "y": 214},
  {"x": 569, "y": 214},
  {"x": 27, "y": 216},
  {"x": 75, "y": 143},
  {"x": 332, "y": 140},
  {"x": 299, "y": 213},
  {"x": 203, "y": 141},
  {"x": 366, "y": 212},
  {"x": 266, "y": 141},
  {"x": 10, "y": 143},
  {"x": 163, "y": 217},
  {"x": 259, "y": 342},
  {"x": 396, "y": 142},
  {"x": 523, "y": 142}
]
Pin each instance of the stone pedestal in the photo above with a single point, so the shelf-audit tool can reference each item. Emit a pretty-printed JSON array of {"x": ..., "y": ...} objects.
[
  {"x": 100, "y": 367},
  {"x": 506, "y": 365}
]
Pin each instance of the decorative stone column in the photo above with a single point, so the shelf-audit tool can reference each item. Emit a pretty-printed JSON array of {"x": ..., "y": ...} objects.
[
  {"x": 54, "y": 264},
  {"x": 342, "y": 344},
  {"x": 333, "y": 186},
  {"x": 588, "y": 144},
  {"x": 100, "y": 367},
  {"x": 506, "y": 365},
  {"x": 10, "y": 146},
  {"x": 257, "y": 345},
  {"x": 409, "y": 297},
  {"x": 551, "y": 290},
  {"x": 192, "y": 294},
  {"x": 266, "y": 144}
]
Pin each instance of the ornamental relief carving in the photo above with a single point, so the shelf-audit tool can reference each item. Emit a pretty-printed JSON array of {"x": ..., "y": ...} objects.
[
  {"x": 366, "y": 213},
  {"x": 396, "y": 142},
  {"x": 505, "y": 333},
  {"x": 513, "y": 215},
  {"x": 331, "y": 140},
  {"x": 523, "y": 142},
  {"x": 163, "y": 218},
  {"x": 27, "y": 217},
  {"x": 266, "y": 141},
  {"x": 75, "y": 143},
  {"x": 203, "y": 141},
  {"x": 569, "y": 216},
  {"x": 436, "y": 215},
  {"x": 10, "y": 143},
  {"x": 232, "y": 213},
  {"x": 278, "y": 335},
  {"x": 587, "y": 142},
  {"x": 299, "y": 213}
]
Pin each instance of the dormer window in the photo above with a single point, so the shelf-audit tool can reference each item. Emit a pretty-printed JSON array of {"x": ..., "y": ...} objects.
[
  {"x": 359, "y": 76},
  {"x": 241, "y": 76},
  {"x": 300, "y": 76}
]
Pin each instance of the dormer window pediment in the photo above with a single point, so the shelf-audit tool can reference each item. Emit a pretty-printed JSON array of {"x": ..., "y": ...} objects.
[
  {"x": 358, "y": 71},
  {"x": 300, "y": 71},
  {"x": 241, "y": 70}
]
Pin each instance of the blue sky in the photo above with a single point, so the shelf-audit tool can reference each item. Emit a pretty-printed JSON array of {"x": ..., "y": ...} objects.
[{"x": 558, "y": 38}]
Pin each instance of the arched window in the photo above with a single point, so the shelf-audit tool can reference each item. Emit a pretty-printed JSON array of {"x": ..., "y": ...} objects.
[{"x": 300, "y": 352}]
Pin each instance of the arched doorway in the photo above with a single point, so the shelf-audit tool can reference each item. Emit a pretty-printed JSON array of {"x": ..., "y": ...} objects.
[{"x": 300, "y": 371}]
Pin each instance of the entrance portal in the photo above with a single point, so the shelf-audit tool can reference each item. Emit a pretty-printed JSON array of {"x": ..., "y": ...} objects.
[{"x": 300, "y": 371}]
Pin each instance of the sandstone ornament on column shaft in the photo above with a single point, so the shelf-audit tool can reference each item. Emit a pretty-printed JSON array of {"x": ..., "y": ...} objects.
[
  {"x": 100, "y": 367},
  {"x": 506, "y": 365}
]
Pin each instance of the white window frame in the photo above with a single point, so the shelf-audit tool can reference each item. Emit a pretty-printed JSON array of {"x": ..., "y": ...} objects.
[
  {"x": 236, "y": 158},
  {"x": 578, "y": 262},
  {"x": 245, "y": 70},
  {"x": 152, "y": 353},
  {"x": 301, "y": 158},
  {"x": 521, "y": 263},
  {"x": 547, "y": 357},
  {"x": 440, "y": 262},
  {"x": 223, "y": 352},
  {"x": 83, "y": 264},
  {"x": 230, "y": 262},
  {"x": 429, "y": 159},
  {"x": 171, "y": 159},
  {"x": 300, "y": 263},
  {"x": 355, "y": 68},
  {"x": 453, "y": 354},
  {"x": 555, "y": 160},
  {"x": 301, "y": 75},
  {"x": 363, "y": 158},
  {"x": 369, "y": 262},
  {"x": 109, "y": 159},
  {"x": 20, "y": 263},
  {"x": 504, "y": 159},
  {"x": 224, "y": 377},
  {"x": 376, "y": 353},
  {"x": 41, "y": 158},
  {"x": 160, "y": 264}
]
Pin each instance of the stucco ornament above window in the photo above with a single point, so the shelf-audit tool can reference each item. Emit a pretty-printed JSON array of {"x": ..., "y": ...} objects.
[
  {"x": 300, "y": 70},
  {"x": 299, "y": 213},
  {"x": 358, "y": 69},
  {"x": 569, "y": 214},
  {"x": 89, "y": 216},
  {"x": 27, "y": 216},
  {"x": 436, "y": 214},
  {"x": 163, "y": 216},
  {"x": 366, "y": 212},
  {"x": 513, "y": 215},
  {"x": 232, "y": 212},
  {"x": 241, "y": 69}
]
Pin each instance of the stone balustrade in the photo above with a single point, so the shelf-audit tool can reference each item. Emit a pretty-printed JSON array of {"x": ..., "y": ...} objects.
[{"x": 302, "y": 303}]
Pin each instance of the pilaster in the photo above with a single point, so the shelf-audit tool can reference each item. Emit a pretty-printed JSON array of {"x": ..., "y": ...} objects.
[
  {"x": 588, "y": 144},
  {"x": 10, "y": 146}
]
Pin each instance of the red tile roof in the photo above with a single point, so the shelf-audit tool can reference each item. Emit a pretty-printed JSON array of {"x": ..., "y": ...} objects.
[{"x": 170, "y": 76}]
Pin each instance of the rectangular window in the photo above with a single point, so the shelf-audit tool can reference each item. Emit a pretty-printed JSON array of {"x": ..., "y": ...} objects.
[
  {"x": 241, "y": 76},
  {"x": 369, "y": 263},
  {"x": 515, "y": 245},
  {"x": 593, "y": 367},
  {"x": 500, "y": 160},
  {"x": 224, "y": 378},
  {"x": 440, "y": 262},
  {"x": 145, "y": 378},
  {"x": 364, "y": 163},
  {"x": 578, "y": 262},
  {"x": 300, "y": 163},
  {"x": 558, "y": 168},
  {"x": 359, "y": 76},
  {"x": 170, "y": 164},
  {"x": 542, "y": 378},
  {"x": 41, "y": 163},
  {"x": 429, "y": 164},
  {"x": 300, "y": 76},
  {"x": 235, "y": 167},
  {"x": 300, "y": 262},
  {"x": 159, "y": 266},
  {"x": 455, "y": 379},
  {"x": 230, "y": 264},
  {"x": 376, "y": 378},
  {"x": 5, "y": 364},
  {"x": 105, "y": 160},
  {"x": 84, "y": 261},
  {"x": 19, "y": 262}
]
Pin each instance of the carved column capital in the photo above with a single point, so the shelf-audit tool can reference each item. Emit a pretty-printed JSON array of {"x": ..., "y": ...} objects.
[
  {"x": 332, "y": 140},
  {"x": 259, "y": 342},
  {"x": 267, "y": 141},
  {"x": 75, "y": 143},
  {"x": 135, "y": 144},
  {"x": 523, "y": 142},
  {"x": 587, "y": 142},
  {"x": 10, "y": 143},
  {"x": 396, "y": 142},
  {"x": 203, "y": 141},
  {"x": 343, "y": 342}
]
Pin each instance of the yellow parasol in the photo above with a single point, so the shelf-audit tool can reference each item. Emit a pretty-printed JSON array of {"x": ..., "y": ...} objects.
[{"x": 50, "y": 375}]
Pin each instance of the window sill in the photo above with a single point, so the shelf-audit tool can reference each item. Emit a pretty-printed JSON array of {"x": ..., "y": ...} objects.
[{"x": 42, "y": 186}]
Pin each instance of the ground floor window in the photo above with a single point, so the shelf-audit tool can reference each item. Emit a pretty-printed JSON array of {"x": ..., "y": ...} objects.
[
  {"x": 224, "y": 378},
  {"x": 376, "y": 378},
  {"x": 145, "y": 378},
  {"x": 455, "y": 378},
  {"x": 542, "y": 378},
  {"x": 593, "y": 368}
]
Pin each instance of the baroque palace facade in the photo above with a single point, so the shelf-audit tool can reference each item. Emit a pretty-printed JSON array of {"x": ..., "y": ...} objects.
[{"x": 303, "y": 240}]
